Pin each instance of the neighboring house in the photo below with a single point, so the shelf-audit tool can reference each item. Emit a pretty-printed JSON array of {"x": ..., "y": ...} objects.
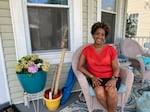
[
  {"x": 27, "y": 27},
  {"x": 139, "y": 11}
]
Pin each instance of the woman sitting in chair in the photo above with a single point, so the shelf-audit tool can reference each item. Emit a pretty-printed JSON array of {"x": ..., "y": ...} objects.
[{"x": 102, "y": 67}]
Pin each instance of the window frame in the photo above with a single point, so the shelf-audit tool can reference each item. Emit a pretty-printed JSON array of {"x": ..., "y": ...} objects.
[
  {"x": 113, "y": 13},
  {"x": 34, "y": 5},
  {"x": 22, "y": 35},
  {"x": 118, "y": 21}
]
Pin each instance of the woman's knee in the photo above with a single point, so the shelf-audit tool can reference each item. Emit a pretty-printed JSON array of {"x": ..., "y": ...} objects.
[
  {"x": 100, "y": 93},
  {"x": 112, "y": 92}
]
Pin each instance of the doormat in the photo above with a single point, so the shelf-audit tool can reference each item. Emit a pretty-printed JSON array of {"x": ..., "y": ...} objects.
[{"x": 11, "y": 108}]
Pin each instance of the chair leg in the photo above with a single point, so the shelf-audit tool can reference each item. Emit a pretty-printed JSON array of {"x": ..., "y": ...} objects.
[
  {"x": 81, "y": 97},
  {"x": 142, "y": 82},
  {"x": 122, "y": 103},
  {"x": 80, "y": 94},
  {"x": 122, "y": 108}
]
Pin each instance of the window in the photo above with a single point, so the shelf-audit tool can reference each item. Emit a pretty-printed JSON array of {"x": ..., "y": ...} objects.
[
  {"x": 109, "y": 5},
  {"x": 48, "y": 21},
  {"x": 39, "y": 26},
  {"x": 108, "y": 15}
]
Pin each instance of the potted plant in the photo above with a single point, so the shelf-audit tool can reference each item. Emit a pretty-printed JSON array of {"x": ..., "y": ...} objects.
[{"x": 31, "y": 72}]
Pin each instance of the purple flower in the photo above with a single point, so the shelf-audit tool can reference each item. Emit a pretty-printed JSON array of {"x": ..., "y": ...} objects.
[{"x": 33, "y": 68}]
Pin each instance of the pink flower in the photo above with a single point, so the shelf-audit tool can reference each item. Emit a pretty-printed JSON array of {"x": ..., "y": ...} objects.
[{"x": 33, "y": 68}]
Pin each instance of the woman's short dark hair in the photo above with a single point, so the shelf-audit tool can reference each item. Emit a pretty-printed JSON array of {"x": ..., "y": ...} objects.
[{"x": 102, "y": 25}]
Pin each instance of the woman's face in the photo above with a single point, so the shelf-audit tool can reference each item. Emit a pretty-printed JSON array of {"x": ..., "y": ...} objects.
[{"x": 99, "y": 36}]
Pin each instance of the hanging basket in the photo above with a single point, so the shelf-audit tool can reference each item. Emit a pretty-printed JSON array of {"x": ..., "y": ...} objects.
[{"x": 33, "y": 83}]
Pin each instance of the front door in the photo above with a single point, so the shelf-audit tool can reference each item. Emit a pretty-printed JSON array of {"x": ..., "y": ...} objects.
[{"x": 4, "y": 91}]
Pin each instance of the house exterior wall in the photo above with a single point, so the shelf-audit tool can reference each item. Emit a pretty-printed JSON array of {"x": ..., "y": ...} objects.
[
  {"x": 8, "y": 48},
  {"x": 89, "y": 16},
  {"x": 85, "y": 21},
  {"x": 16, "y": 92},
  {"x": 143, "y": 9}
]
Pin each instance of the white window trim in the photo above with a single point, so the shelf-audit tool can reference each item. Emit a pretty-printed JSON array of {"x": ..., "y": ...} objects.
[
  {"x": 98, "y": 10},
  {"x": 22, "y": 44},
  {"x": 119, "y": 20}
]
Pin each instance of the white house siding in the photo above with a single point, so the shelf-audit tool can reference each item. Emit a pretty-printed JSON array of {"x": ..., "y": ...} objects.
[
  {"x": 8, "y": 48},
  {"x": 85, "y": 21},
  {"x": 63, "y": 78},
  {"x": 89, "y": 17},
  {"x": 142, "y": 7}
]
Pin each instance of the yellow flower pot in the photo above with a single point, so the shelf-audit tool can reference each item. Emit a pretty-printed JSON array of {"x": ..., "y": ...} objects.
[{"x": 52, "y": 104}]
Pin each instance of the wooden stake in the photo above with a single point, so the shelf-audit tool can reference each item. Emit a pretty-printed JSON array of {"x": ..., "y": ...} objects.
[
  {"x": 59, "y": 71},
  {"x": 54, "y": 78},
  {"x": 61, "y": 61}
]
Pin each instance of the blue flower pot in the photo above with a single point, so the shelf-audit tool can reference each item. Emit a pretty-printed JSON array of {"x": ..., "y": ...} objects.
[{"x": 34, "y": 83}]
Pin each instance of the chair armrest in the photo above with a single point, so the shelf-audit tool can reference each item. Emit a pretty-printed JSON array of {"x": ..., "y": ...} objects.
[
  {"x": 82, "y": 79},
  {"x": 134, "y": 61},
  {"x": 142, "y": 66},
  {"x": 140, "y": 62},
  {"x": 146, "y": 54},
  {"x": 126, "y": 76}
]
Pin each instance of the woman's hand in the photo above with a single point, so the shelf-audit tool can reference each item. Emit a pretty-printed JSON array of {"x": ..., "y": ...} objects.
[
  {"x": 111, "y": 83},
  {"x": 96, "y": 81}
]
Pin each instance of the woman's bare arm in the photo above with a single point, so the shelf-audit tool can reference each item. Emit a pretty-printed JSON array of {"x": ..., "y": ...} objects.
[
  {"x": 81, "y": 67},
  {"x": 81, "y": 63},
  {"x": 115, "y": 67}
]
